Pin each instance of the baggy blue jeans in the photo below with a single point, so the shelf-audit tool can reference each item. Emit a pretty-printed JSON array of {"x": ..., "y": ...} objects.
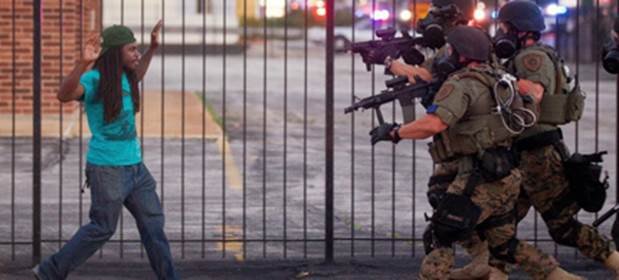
[{"x": 112, "y": 187}]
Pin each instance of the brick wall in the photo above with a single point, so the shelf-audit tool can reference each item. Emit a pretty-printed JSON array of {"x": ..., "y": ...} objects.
[{"x": 54, "y": 41}]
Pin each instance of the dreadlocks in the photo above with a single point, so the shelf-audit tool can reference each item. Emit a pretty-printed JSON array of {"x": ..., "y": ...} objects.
[{"x": 110, "y": 86}]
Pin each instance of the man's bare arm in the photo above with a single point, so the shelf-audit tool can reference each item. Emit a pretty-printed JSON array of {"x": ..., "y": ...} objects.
[
  {"x": 425, "y": 127},
  {"x": 401, "y": 69},
  {"x": 148, "y": 56}
]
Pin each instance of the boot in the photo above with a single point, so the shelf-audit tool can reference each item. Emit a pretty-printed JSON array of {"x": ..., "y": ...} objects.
[
  {"x": 612, "y": 263},
  {"x": 560, "y": 274},
  {"x": 479, "y": 264}
]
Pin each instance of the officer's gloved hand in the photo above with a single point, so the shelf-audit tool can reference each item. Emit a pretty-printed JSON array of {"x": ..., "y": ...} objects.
[{"x": 383, "y": 133}]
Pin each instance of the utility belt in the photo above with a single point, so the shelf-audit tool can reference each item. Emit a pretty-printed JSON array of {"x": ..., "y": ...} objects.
[
  {"x": 538, "y": 141},
  {"x": 492, "y": 164}
]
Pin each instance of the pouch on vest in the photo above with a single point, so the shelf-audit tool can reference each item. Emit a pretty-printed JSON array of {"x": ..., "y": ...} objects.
[
  {"x": 583, "y": 174},
  {"x": 562, "y": 108},
  {"x": 575, "y": 103},
  {"x": 440, "y": 148},
  {"x": 567, "y": 103},
  {"x": 495, "y": 164}
]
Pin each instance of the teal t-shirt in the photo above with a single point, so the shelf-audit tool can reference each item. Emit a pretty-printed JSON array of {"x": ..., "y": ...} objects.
[{"x": 114, "y": 143}]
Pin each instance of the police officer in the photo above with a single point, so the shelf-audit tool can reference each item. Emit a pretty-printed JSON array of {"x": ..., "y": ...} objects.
[
  {"x": 541, "y": 149},
  {"x": 469, "y": 133},
  {"x": 610, "y": 61},
  {"x": 434, "y": 27}
]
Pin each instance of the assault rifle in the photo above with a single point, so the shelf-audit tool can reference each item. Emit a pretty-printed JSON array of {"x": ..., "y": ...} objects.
[
  {"x": 395, "y": 47},
  {"x": 399, "y": 89},
  {"x": 606, "y": 215},
  {"x": 615, "y": 228}
]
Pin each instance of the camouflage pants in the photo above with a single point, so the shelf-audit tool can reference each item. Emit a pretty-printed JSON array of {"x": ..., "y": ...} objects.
[
  {"x": 495, "y": 199},
  {"x": 546, "y": 189}
]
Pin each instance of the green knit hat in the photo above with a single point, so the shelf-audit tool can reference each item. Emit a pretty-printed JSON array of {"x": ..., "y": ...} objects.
[{"x": 116, "y": 35}]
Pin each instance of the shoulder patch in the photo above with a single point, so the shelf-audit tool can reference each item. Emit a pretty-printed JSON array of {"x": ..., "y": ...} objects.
[
  {"x": 532, "y": 61},
  {"x": 445, "y": 90}
]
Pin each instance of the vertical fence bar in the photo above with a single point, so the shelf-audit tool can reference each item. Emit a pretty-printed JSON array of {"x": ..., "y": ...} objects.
[
  {"x": 329, "y": 122},
  {"x": 244, "y": 129},
  {"x": 183, "y": 133},
  {"x": 203, "y": 171},
  {"x": 285, "y": 126},
  {"x": 162, "y": 138},
  {"x": 13, "y": 109},
  {"x": 142, "y": 107},
  {"x": 81, "y": 123},
  {"x": 373, "y": 158},
  {"x": 264, "y": 132},
  {"x": 305, "y": 62},
  {"x": 393, "y": 148},
  {"x": 60, "y": 136},
  {"x": 414, "y": 156},
  {"x": 558, "y": 50},
  {"x": 142, "y": 45},
  {"x": 101, "y": 22},
  {"x": 352, "y": 137},
  {"x": 597, "y": 74},
  {"x": 223, "y": 134},
  {"x": 577, "y": 58},
  {"x": 122, "y": 211},
  {"x": 36, "y": 129},
  {"x": 617, "y": 132}
]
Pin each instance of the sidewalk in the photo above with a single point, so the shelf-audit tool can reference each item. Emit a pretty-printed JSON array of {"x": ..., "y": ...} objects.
[
  {"x": 381, "y": 268},
  {"x": 153, "y": 116}
]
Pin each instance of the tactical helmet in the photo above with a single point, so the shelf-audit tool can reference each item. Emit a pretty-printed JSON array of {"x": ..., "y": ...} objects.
[
  {"x": 524, "y": 15},
  {"x": 466, "y": 7},
  {"x": 470, "y": 42}
]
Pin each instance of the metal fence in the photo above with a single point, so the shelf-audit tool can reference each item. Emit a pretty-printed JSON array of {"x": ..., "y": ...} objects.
[{"x": 243, "y": 127}]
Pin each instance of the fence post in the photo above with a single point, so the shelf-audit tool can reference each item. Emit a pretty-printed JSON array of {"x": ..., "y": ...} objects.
[
  {"x": 36, "y": 122},
  {"x": 616, "y": 132},
  {"x": 329, "y": 159}
]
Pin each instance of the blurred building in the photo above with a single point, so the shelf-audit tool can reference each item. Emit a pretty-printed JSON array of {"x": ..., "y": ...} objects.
[
  {"x": 65, "y": 25},
  {"x": 210, "y": 14}
]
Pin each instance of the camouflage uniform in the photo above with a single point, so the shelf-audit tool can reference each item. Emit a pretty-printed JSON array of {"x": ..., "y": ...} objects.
[
  {"x": 545, "y": 186},
  {"x": 459, "y": 103}
]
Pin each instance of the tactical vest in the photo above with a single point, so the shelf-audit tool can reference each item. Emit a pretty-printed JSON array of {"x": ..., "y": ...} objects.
[
  {"x": 566, "y": 104},
  {"x": 481, "y": 128}
]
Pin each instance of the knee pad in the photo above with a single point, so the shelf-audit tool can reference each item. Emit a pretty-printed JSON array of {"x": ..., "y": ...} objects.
[
  {"x": 566, "y": 234},
  {"x": 435, "y": 195},
  {"x": 455, "y": 218},
  {"x": 506, "y": 252}
]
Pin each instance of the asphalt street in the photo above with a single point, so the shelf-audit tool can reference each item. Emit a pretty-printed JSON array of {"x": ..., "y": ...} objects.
[{"x": 269, "y": 183}]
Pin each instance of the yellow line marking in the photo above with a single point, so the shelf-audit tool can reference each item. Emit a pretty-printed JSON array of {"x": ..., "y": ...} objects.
[
  {"x": 232, "y": 172},
  {"x": 236, "y": 248}
]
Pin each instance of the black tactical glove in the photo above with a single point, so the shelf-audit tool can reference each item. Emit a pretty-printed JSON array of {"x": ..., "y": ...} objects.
[{"x": 383, "y": 133}]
